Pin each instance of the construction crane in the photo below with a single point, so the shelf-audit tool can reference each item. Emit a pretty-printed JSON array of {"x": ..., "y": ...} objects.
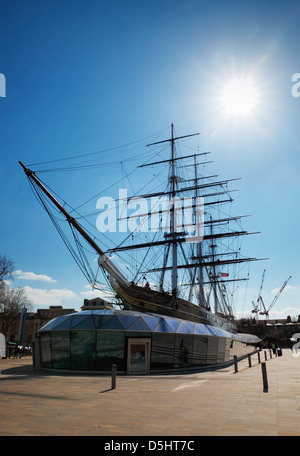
[
  {"x": 256, "y": 306},
  {"x": 266, "y": 312}
]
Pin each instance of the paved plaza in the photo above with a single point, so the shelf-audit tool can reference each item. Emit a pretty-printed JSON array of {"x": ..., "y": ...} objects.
[{"x": 208, "y": 403}]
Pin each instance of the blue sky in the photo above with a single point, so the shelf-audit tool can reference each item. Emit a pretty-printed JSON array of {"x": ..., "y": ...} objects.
[{"x": 83, "y": 77}]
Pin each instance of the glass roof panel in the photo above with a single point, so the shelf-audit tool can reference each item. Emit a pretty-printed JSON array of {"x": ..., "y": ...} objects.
[
  {"x": 86, "y": 322},
  {"x": 102, "y": 311},
  {"x": 78, "y": 319},
  {"x": 218, "y": 332},
  {"x": 95, "y": 319},
  {"x": 62, "y": 323},
  {"x": 103, "y": 319},
  {"x": 163, "y": 327},
  {"x": 112, "y": 323},
  {"x": 49, "y": 325},
  {"x": 211, "y": 330},
  {"x": 126, "y": 320},
  {"x": 173, "y": 323},
  {"x": 128, "y": 313},
  {"x": 151, "y": 321},
  {"x": 139, "y": 325},
  {"x": 186, "y": 327},
  {"x": 199, "y": 328}
]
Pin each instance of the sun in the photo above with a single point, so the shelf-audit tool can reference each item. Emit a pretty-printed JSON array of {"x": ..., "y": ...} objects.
[{"x": 239, "y": 97}]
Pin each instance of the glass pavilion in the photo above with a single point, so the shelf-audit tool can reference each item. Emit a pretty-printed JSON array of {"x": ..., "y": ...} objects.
[{"x": 138, "y": 343}]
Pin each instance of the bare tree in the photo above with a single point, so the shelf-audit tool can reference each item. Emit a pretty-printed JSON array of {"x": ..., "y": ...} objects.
[
  {"x": 6, "y": 270},
  {"x": 6, "y": 267},
  {"x": 12, "y": 300},
  {"x": 10, "y": 309}
]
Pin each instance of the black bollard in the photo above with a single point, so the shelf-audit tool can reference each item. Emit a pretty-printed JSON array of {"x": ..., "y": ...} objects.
[
  {"x": 235, "y": 364},
  {"x": 113, "y": 376},
  {"x": 249, "y": 360},
  {"x": 264, "y": 376}
]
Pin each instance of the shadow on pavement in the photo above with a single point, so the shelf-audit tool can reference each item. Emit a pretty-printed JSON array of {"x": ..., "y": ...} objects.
[{"x": 25, "y": 369}]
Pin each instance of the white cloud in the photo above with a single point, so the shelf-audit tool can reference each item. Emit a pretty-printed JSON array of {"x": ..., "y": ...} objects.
[
  {"x": 282, "y": 313},
  {"x": 53, "y": 297},
  {"x": 103, "y": 292},
  {"x": 287, "y": 287},
  {"x": 274, "y": 314},
  {"x": 32, "y": 276}
]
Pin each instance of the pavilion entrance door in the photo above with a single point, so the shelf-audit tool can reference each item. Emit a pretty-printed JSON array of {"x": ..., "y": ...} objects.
[{"x": 138, "y": 358}]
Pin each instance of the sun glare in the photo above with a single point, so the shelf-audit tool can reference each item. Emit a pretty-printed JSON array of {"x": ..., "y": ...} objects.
[{"x": 239, "y": 97}]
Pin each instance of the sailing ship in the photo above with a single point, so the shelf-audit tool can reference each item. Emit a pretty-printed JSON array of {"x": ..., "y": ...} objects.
[{"x": 189, "y": 278}]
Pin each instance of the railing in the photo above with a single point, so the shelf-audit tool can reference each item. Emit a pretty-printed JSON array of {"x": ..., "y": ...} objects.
[{"x": 275, "y": 352}]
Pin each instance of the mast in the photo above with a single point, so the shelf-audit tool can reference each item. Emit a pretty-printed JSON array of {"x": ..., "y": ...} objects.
[
  {"x": 201, "y": 298},
  {"x": 214, "y": 276},
  {"x": 173, "y": 218}
]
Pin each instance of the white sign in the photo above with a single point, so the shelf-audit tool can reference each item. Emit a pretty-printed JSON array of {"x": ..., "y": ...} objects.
[{"x": 2, "y": 346}]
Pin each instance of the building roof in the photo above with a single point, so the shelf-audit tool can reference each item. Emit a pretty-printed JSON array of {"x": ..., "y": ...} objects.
[{"x": 127, "y": 320}]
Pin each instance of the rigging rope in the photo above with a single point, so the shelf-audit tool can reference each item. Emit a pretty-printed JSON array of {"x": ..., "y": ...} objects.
[
  {"x": 80, "y": 257},
  {"x": 98, "y": 152}
]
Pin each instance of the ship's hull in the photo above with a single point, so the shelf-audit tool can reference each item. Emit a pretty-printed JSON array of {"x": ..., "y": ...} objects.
[{"x": 144, "y": 299}]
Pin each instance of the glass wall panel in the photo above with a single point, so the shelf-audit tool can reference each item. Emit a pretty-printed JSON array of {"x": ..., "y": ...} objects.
[
  {"x": 162, "y": 351},
  {"x": 60, "y": 347},
  {"x": 83, "y": 353},
  {"x": 110, "y": 350},
  {"x": 183, "y": 350},
  {"x": 227, "y": 349},
  {"x": 221, "y": 350},
  {"x": 200, "y": 350},
  {"x": 45, "y": 350},
  {"x": 212, "y": 349}
]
